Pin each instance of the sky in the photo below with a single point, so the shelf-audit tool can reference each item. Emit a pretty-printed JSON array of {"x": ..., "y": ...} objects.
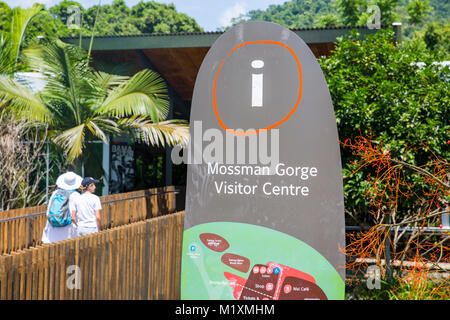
[{"x": 209, "y": 14}]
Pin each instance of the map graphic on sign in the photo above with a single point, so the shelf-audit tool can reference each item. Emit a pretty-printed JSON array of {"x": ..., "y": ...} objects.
[
  {"x": 252, "y": 274},
  {"x": 264, "y": 200}
]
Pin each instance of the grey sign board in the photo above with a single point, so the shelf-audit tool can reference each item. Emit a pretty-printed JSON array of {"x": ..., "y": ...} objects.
[{"x": 264, "y": 200}]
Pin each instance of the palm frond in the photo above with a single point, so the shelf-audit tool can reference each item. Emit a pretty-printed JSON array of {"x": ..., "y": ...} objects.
[
  {"x": 105, "y": 81},
  {"x": 145, "y": 94},
  {"x": 69, "y": 78},
  {"x": 71, "y": 141},
  {"x": 22, "y": 102},
  {"x": 170, "y": 132},
  {"x": 6, "y": 55},
  {"x": 20, "y": 20},
  {"x": 100, "y": 127}
]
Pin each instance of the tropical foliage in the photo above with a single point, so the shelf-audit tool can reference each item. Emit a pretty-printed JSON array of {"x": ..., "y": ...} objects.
[
  {"x": 81, "y": 104},
  {"x": 308, "y": 13},
  {"x": 112, "y": 19},
  {"x": 78, "y": 103},
  {"x": 13, "y": 36},
  {"x": 380, "y": 90},
  {"x": 424, "y": 21},
  {"x": 21, "y": 142},
  {"x": 295, "y": 14}
]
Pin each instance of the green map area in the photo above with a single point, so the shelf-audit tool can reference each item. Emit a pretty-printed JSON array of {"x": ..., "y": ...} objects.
[{"x": 251, "y": 248}]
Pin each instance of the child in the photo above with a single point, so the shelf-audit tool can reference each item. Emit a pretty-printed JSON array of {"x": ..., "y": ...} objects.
[{"x": 87, "y": 209}]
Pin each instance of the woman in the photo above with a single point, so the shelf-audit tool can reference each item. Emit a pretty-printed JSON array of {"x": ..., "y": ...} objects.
[{"x": 69, "y": 182}]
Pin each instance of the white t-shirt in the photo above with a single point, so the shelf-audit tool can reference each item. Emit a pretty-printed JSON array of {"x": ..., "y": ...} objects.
[
  {"x": 72, "y": 199},
  {"x": 86, "y": 205}
]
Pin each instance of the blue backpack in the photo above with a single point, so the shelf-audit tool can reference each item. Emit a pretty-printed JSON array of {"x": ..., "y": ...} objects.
[{"x": 59, "y": 212}]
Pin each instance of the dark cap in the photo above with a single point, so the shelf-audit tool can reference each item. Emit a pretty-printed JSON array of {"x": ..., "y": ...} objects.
[{"x": 87, "y": 181}]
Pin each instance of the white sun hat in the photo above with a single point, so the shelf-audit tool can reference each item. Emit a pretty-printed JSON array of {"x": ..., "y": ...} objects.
[{"x": 69, "y": 181}]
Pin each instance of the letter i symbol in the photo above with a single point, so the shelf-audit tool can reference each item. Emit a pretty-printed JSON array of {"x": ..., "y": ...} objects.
[{"x": 257, "y": 84}]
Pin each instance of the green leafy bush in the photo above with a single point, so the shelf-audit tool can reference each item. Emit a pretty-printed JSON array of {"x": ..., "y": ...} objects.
[{"x": 379, "y": 91}]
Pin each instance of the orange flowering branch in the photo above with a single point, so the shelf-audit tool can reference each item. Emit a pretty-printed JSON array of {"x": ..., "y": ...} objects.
[{"x": 401, "y": 195}]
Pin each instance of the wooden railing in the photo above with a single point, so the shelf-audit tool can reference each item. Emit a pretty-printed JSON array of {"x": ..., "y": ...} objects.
[
  {"x": 22, "y": 228},
  {"x": 140, "y": 260}
]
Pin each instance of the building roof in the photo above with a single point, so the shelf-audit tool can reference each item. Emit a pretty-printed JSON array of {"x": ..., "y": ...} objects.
[
  {"x": 202, "y": 39},
  {"x": 178, "y": 56}
]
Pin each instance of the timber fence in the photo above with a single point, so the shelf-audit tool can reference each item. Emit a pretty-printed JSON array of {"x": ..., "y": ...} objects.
[
  {"x": 140, "y": 260},
  {"x": 22, "y": 228}
]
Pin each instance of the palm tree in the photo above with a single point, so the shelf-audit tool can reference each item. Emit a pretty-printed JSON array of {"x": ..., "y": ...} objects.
[{"x": 80, "y": 104}]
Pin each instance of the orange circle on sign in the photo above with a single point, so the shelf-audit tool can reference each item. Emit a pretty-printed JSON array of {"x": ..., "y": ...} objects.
[{"x": 277, "y": 123}]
